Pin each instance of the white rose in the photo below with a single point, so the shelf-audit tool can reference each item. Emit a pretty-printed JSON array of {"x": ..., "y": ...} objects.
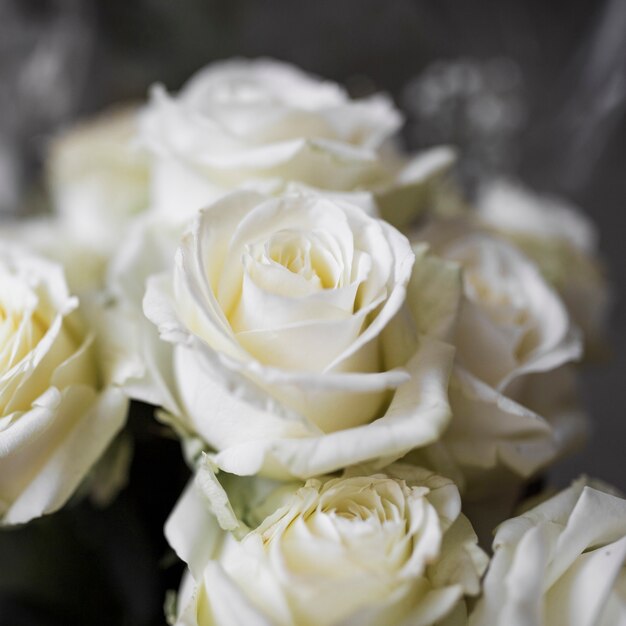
[
  {"x": 297, "y": 349},
  {"x": 364, "y": 548},
  {"x": 49, "y": 236},
  {"x": 513, "y": 402},
  {"x": 262, "y": 124},
  {"x": 137, "y": 359},
  {"x": 508, "y": 310},
  {"x": 562, "y": 563},
  {"x": 56, "y": 419},
  {"x": 563, "y": 244},
  {"x": 98, "y": 179}
]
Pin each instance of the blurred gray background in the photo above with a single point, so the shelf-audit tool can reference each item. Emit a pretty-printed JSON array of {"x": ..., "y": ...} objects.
[{"x": 526, "y": 88}]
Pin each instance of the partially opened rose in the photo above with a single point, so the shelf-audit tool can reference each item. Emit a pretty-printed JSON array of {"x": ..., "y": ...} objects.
[
  {"x": 301, "y": 335},
  {"x": 564, "y": 245},
  {"x": 373, "y": 548},
  {"x": 514, "y": 404},
  {"x": 262, "y": 124},
  {"x": 508, "y": 311},
  {"x": 563, "y": 563},
  {"x": 56, "y": 415}
]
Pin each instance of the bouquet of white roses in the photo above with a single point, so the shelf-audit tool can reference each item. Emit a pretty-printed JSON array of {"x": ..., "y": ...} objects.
[{"x": 365, "y": 369}]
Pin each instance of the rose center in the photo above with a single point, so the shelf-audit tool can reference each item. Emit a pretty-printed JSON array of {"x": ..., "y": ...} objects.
[
  {"x": 306, "y": 255},
  {"x": 502, "y": 306}
]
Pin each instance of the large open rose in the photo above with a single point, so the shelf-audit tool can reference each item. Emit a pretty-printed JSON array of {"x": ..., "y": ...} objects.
[
  {"x": 563, "y": 563},
  {"x": 56, "y": 416},
  {"x": 262, "y": 124},
  {"x": 373, "y": 548},
  {"x": 301, "y": 329}
]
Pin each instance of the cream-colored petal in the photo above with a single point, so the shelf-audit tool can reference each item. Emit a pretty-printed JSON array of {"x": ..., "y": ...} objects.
[
  {"x": 488, "y": 428},
  {"x": 579, "y": 596},
  {"x": 225, "y": 408},
  {"x": 192, "y": 530},
  {"x": 417, "y": 415},
  {"x": 434, "y": 293},
  {"x": 79, "y": 426},
  {"x": 403, "y": 198},
  {"x": 226, "y": 605}
]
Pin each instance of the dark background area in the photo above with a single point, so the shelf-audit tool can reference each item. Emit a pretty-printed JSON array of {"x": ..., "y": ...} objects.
[{"x": 530, "y": 89}]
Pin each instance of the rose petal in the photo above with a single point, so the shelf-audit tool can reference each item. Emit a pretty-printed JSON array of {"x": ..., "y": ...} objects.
[
  {"x": 417, "y": 416},
  {"x": 77, "y": 426}
]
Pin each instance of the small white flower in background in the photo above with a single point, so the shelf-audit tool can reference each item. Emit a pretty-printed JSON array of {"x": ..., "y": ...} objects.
[
  {"x": 263, "y": 124},
  {"x": 98, "y": 179},
  {"x": 564, "y": 245},
  {"x": 56, "y": 415},
  {"x": 305, "y": 335},
  {"x": 512, "y": 395},
  {"x": 563, "y": 563},
  {"x": 371, "y": 548},
  {"x": 48, "y": 236}
]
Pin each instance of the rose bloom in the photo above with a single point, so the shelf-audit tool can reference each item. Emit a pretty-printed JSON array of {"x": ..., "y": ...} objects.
[
  {"x": 49, "y": 237},
  {"x": 56, "y": 416},
  {"x": 564, "y": 245},
  {"x": 305, "y": 335},
  {"x": 562, "y": 563},
  {"x": 512, "y": 394},
  {"x": 263, "y": 124},
  {"x": 98, "y": 179},
  {"x": 375, "y": 548}
]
